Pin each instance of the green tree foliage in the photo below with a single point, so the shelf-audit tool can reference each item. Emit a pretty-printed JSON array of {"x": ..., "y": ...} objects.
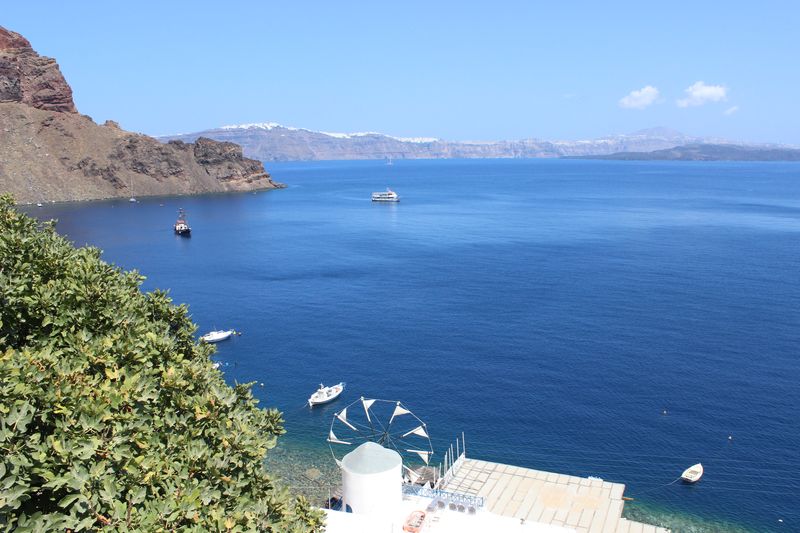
[{"x": 111, "y": 415}]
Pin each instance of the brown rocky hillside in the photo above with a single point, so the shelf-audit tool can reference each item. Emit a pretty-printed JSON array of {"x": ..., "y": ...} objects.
[{"x": 48, "y": 151}]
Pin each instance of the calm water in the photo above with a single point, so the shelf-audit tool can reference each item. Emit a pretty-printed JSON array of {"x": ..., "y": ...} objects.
[{"x": 550, "y": 309}]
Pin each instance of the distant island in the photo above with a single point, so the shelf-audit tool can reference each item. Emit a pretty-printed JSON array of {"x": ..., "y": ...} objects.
[
  {"x": 50, "y": 152},
  {"x": 704, "y": 152},
  {"x": 269, "y": 141}
]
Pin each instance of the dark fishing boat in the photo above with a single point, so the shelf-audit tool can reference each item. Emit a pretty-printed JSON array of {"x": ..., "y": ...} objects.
[{"x": 181, "y": 226}]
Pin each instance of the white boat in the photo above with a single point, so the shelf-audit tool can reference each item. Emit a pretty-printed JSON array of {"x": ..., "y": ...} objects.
[
  {"x": 325, "y": 394},
  {"x": 216, "y": 336},
  {"x": 132, "y": 200},
  {"x": 38, "y": 204},
  {"x": 388, "y": 196},
  {"x": 693, "y": 473},
  {"x": 182, "y": 226}
]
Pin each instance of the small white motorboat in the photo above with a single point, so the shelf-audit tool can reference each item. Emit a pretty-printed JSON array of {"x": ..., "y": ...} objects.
[
  {"x": 325, "y": 394},
  {"x": 693, "y": 473},
  {"x": 216, "y": 336}
]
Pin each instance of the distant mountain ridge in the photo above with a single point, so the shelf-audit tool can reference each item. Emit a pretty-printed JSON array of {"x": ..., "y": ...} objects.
[
  {"x": 707, "y": 152},
  {"x": 273, "y": 125},
  {"x": 270, "y": 141}
]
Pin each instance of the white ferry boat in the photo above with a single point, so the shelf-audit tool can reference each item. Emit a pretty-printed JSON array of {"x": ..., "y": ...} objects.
[{"x": 387, "y": 196}]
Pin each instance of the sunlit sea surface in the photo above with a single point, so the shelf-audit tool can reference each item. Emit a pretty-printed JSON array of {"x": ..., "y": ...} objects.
[{"x": 551, "y": 310}]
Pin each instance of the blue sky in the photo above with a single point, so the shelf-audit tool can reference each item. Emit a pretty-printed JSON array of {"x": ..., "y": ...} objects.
[{"x": 455, "y": 70}]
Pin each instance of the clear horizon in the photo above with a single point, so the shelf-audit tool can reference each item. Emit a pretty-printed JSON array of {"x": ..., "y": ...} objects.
[{"x": 448, "y": 70}]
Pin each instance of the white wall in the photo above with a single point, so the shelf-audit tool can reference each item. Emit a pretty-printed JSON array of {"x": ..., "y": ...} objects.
[{"x": 372, "y": 483}]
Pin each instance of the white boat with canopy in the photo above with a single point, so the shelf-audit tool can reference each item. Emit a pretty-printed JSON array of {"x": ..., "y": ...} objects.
[
  {"x": 325, "y": 394},
  {"x": 216, "y": 336},
  {"x": 388, "y": 196},
  {"x": 693, "y": 473}
]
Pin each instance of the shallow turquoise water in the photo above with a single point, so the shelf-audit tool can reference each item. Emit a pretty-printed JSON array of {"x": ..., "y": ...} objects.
[{"x": 552, "y": 310}]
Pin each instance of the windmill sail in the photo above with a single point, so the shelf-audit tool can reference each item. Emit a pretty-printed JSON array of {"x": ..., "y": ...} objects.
[
  {"x": 343, "y": 418},
  {"x": 422, "y": 453},
  {"x": 334, "y": 439},
  {"x": 420, "y": 430},
  {"x": 413, "y": 476},
  {"x": 380, "y": 424},
  {"x": 367, "y": 404},
  {"x": 398, "y": 410}
]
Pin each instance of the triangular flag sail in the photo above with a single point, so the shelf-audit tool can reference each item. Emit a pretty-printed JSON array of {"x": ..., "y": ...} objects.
[
  {"x": 420, "y": 430},
  {"x": 334, "y": 439},
  {"x": 423, "y": 454},
  {"x": 343, "y": 418},
  {"x": 367, "y": 404},
  {"x": 398, "y": 410},
  {"x": 413, "y": 476}
]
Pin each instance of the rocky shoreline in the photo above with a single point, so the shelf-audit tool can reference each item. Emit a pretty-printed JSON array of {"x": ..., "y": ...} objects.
[
  {"x": 305, "y": 471},
  {"x": 29, "y": 203}
]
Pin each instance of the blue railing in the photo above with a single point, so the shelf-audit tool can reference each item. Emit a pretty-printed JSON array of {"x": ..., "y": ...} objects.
[{"x": 447, "y": 497}]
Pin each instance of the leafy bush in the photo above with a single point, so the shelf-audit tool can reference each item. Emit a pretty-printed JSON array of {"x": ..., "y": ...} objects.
[{"x": 111, "y": 415}]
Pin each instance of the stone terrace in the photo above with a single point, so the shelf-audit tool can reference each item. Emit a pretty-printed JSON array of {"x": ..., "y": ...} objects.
[{"x": 583, "y": 504}]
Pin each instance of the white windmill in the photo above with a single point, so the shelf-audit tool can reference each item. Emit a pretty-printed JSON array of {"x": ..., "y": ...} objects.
[{"x": 377, "y": 443}]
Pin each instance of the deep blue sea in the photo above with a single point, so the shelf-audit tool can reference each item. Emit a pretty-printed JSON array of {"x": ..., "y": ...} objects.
[{"x": 551, "y": 310}]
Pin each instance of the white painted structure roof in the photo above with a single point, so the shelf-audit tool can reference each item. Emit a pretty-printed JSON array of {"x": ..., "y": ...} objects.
[{"x": 371, "y": 458}]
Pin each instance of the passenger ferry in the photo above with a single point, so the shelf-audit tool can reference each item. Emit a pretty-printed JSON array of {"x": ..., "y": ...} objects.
[{"x": 388, "y": 196}]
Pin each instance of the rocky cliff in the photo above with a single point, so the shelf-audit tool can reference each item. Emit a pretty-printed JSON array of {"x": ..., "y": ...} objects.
[
  {"x": 29, "y": 78},
  {"x": 48, "y": 151}
]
